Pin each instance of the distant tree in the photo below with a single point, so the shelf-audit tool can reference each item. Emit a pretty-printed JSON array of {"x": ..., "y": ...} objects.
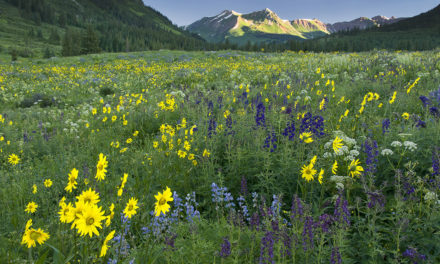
[
  {"x": 70, "y": 45},
  {"x": 90, "y": 42},
  {"x": 54, "y": 38},
  {"x": 14, "y": 54},
  {"x": 48, "y": 53}
]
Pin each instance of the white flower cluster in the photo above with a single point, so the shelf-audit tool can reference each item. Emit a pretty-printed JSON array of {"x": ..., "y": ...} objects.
[
  {"x": 350, "y": 149},
  {"x": 431, "y": 197},
  {"x": 387, "y": 152},
  {"x": 409, "y": 145}
]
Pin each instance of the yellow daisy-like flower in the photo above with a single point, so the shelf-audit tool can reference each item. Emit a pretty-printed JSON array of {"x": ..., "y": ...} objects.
[
  {"x": 34, "y": 189},
  {"x": 321, "y": 176},
  {"x": 354, "y": 169},
  {"x": 335, "y": 167},
  {"x": 47, "y": 183},
  {"x": 109, "y": 218},
  {"x": 206, "y": 153},
  {"x": 306, "y": 137},
  {"x": 393, "y": 98},
  {"x": 124, "y": 181},
  {"x": 90, "y": 220},
  {"x": 73, "y": 175},
  {"x": 131, "y": 207},
  {"x": 405, "y": 116},
  {"x": 308, "y": 172},
  {"x": 129, "y": 140},
  {"x": 161, "y": 203},
  {"x": 337, "y": 144},
  {"x": 64, "y": 212},
  {"x": 31, "y": 236},
  {"x": 31, "y": 207},
  {"x": 181, "y": 154},
  {"x": 105, "y": 247},
  {"x": 13, "y": 159},
  {"x": 75, "y": 213},
  {"x": 114, "y": 118},
  {"x": 88, "y": 197},
  {"x": 101, "y": 167},
  {"x": 135, "y": 133},
  {"x": 226, "y": 114}
]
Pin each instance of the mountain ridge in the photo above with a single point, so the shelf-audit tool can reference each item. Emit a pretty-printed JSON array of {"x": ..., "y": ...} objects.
[{"x": 240, "y": 28}]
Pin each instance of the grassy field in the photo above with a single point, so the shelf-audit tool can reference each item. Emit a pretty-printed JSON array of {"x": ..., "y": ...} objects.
[{"x": 269, "y": 158}]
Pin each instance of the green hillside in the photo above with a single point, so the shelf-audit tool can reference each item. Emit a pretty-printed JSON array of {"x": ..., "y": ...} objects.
[{"x": 36, "y": 27}]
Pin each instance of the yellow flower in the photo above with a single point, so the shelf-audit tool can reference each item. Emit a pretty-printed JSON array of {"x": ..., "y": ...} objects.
[
  {"x": 129, "y": 140},
  {"x": 31, "y": 208},
  {"x": 206, "y": 153},
  {"x": 94, "y": 111},
  {"x": 47, "y": 183},
  {"x": 75, "y": 213},
  {"x": 306, "y": 137},
  {"x": 104, "y": 247},
  {"x": 73, "y": 175},
  {"x": 162, "y": 200},
  {"x": 88, "y": 197},
  {"x": 182, "y": 154},
  {"x": 155, "y": 144},
  {"x": 136, "y": 133},
  {"x": 320, "y": 176},
  {"x": 186, "y": 145},
  {"x": 308, "y": 172},
  {"x": 101, "y": 167},
  {"x": 114, "y": 118},
  {"x": 131, "y": 207},
  {"x": 13, "y": 159},
  {"x": 337, "y": 144},
  {"x": 124, "y": 181},
  {"x": 226, "y": 114},
  {"x": 354, "y": 169},
  {"x": 405, "y": 116},
  {"x": 190, "y": 156},
  {"x": 64, "y": 212},
  {"x": 335, "y": 167},
  {"x": 90, "y": 220},
  {"x": 109, "y": 217},
  {"x": 31, "y": 236},
  {"x": 393, "y": 98},
  {"x": 34, "y": 189}
]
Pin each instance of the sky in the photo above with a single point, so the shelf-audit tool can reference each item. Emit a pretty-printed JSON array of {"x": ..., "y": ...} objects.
[{"x": 185, "y": 12}]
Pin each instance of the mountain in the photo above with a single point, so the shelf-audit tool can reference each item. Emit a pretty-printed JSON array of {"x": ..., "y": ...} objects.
[
  {"x": 266, "y": 26},
  {"x": 34, "y": 26},
  {"x": 421, "y": 32},
  {"x": 255, "y": 27},
  {"x": 362, "y": 23}
]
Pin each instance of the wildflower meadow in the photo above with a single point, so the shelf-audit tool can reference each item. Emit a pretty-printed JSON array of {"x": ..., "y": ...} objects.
[{"x": 221, "y": 157}]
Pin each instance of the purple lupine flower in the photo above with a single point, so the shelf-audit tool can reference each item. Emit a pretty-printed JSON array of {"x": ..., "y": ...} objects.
[
  {"x": 267, "y": 243},
  {"x": 260, "y": 119},
  {"x": 271, "y": 140},
  {"x": 243, "y": 208},
  {"x": 297, "y": 209},
  {"x": 434, "y": 111},
  {"x": 425, "y": 100},
  {"x": 287, "y": 243},
  {"x": 420, "y": 123},
  {"x": 255, "y": 221},
  {"x": 276, "y": 205},
  {"x": 226, "y": 248},
  {"x": 412, "y": 254},
  {"x": 289, "y": 131},
  {"x": 341, "y": 213},
  {"x": 314, "y": 124},
  {"x": 376, "y": 198},
  {"x": 325, "y": 221},
  {"x": 307, "y": 233},
  {"x": 243, "y": 189},
  {"x": 212, "y": 125},
  {"x": 370, "y": 148},
  {"x": 229, "y": 129},
  {"x": 436, "y": 162},
  {"x": 169, "y": 240},
  {"x": 336, "y": 256},
  {"x": 190, "y": 206},
  {"x": 385, "y": 125}
]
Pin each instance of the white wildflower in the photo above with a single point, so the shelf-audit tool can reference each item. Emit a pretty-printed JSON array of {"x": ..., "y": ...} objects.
[
  {"x": 396, "y": 144},
  {"x": 409, "y": 145},
  {"x": 387, "y": 152}
]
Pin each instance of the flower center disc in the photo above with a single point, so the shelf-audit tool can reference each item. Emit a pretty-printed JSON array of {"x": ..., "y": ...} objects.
[
  {"x": 162, "y": 201},
  {"x": 34, "y": 235},
  {"x": 90, "y": 221}
]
